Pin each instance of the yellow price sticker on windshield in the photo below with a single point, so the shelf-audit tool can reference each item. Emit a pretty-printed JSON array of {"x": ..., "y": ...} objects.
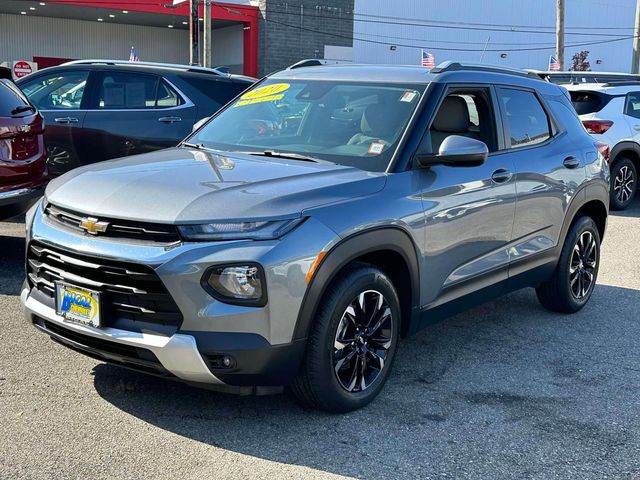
[
  {"x": 266, "y": 91},
  {"x": 250, "y": 101}
]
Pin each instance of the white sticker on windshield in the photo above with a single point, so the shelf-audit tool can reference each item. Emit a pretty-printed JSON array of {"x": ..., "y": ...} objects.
[
  {"x": 376, "y": 148},
  {"x": 408, "y": 96}
]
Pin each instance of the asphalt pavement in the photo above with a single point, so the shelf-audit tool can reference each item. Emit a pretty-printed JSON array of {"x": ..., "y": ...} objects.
[{"x": 507, "y": 390}]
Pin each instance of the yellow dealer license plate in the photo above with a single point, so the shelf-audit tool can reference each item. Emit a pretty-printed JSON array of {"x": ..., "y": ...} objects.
[{"x": 78, "y": 304}]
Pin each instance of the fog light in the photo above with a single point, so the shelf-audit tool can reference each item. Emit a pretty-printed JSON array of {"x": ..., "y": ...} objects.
[
  {"x": 238, "y": 284},
  {"x": 226, "y": 361}
]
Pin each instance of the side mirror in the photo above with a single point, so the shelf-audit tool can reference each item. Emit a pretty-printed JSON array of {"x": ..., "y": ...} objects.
[
  {"x": 200, "y": 123},
  {"x": 456, "y": 151}
]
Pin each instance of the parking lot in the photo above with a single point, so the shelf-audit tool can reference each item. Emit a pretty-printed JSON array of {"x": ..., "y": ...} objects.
[{"x": 507, "y": 390}]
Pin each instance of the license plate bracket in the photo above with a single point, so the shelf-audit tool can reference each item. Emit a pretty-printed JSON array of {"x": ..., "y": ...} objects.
[{"x": 78, "y": 304}]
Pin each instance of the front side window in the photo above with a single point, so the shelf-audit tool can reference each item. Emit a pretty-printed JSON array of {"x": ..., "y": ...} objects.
[
  {"x": 527, "y": 122},
  {"x": 60, "y": 91},
  {"x": 348, "y": 123},
  {"x": 632, "y": 106},
  {"x": 463, "y": 112}
]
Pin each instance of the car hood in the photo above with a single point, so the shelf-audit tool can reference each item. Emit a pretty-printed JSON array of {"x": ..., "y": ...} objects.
[{"x": 184, "y": 185}]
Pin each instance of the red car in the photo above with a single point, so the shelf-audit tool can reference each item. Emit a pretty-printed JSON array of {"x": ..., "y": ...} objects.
[{"x": 23, "y": 158}]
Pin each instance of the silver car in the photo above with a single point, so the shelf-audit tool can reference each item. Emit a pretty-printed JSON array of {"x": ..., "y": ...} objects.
[{"x": 316, "y": 220}]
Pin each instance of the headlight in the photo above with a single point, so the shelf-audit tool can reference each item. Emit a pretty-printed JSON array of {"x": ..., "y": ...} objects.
[
  {"x": 259, "y": 230},
  {"x": 241, "y": 284},
  {"x": 31, "y": 213}
]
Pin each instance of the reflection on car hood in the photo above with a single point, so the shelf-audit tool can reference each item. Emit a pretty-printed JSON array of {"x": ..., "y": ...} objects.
[{"x": 182, "y": 185}]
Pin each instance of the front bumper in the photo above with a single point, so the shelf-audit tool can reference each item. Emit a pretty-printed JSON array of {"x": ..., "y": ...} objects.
[{"x": 259, "y": 340}]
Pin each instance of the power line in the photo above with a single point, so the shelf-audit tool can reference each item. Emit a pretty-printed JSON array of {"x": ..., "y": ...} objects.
[{"x": 337, "y": 35}]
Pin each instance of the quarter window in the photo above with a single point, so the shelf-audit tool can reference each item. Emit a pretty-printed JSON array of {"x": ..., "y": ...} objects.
[
  {"x": 632, "y": 107},
  {"x": 526, "y": 120},
  {"x": 62, "y": 91}
]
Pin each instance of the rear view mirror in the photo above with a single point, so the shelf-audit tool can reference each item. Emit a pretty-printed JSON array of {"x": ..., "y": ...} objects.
[
  {"x": 200, "y": 123},
  {"x": 456, "y": 151}
]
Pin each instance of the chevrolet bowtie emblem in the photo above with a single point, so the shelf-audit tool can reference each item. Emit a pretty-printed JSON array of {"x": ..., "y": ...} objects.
[{"x": 93, "y": 226}]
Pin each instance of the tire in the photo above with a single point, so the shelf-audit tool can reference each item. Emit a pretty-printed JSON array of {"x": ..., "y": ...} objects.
[
  {"x": 572, "y": 283},
  {"x": 330, "y": 377},
  {"x": 624, "y": 183}
]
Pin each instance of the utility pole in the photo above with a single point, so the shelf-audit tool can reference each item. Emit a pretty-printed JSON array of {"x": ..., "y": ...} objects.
[
  {"x": 206, "y": 60},
  {"x": 194, "y": 33},
  {"x": 560, "y": 32},
  {"x": 635, "y": 61}
]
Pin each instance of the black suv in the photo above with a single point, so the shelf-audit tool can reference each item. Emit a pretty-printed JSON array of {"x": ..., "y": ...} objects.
[{"x": 101, "y": 109}]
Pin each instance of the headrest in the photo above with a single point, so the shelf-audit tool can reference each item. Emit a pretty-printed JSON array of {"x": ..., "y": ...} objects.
[
  {"x": 375, "y": 120},
  {"x": 453, "y": 116}
]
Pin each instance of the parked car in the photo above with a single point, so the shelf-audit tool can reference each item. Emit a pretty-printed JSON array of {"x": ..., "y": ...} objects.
[
  {"x": 102, "y": 109},
  {"x": 611, "y": 113},
  {"x": 262, "y": 252},
  {"x": 23, "y": 158},
  {"x": 573, "y": 78}
]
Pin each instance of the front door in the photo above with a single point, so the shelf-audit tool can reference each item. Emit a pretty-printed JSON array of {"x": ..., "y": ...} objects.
[
  {"x": 469, "y": 211},
  {"x": 60, "y": 97}
]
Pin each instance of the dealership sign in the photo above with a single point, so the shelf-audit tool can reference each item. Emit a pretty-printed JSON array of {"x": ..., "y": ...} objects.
[{"x": 22, "y": 69}]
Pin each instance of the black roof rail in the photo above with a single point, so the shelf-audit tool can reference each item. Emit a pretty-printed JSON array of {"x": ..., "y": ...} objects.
[
  {"x": 309, "y": 62},
  {"x": 450, "y": 66}
]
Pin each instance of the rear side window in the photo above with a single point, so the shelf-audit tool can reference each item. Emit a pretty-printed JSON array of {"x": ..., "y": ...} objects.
[
  {"x": 632, "y": 105},
  {"x": 12, "y": 101},
  {"x": 128, "y": 91},
  {"x": 588, "y": 102},
  {"x": 167, "y": 96},
  {"x": 526, "y": 120}
]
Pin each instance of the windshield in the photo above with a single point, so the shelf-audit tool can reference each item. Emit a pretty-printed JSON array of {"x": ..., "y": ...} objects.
[{"x": 345, "y": 123}]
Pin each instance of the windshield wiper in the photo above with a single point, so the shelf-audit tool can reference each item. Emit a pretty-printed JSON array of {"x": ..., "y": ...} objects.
[
  {"x": 291, "y": 155},
  {"x": 22, "y": 109}
]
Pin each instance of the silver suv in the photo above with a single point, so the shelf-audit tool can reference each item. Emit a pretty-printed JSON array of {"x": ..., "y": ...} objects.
[{"x": 316, "y": 220}]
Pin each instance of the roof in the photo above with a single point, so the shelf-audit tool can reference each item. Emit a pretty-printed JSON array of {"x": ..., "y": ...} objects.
[{"x": 414, "y": 74}]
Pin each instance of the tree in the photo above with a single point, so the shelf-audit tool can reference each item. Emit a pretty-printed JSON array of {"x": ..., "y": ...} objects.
[{"x": 579, "y": 62}]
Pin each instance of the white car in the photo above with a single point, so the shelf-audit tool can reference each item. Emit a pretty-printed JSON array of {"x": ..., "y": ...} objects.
[{"x": 611, "y": 114}]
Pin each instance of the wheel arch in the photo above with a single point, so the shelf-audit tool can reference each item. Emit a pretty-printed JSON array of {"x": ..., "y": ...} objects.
[
  {"x": 382, "y": 247},
  {"x": 626, "y": 149}
]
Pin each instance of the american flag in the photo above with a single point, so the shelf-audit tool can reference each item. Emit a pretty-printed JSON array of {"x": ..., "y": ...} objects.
[
  {"x": 133, "y": 56},
  {"x": 554, "y": 66},
  {"x": 428, "y": 60}
]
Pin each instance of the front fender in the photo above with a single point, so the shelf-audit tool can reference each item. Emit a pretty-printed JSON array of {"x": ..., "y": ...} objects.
[{"x": 346, "y": 251}]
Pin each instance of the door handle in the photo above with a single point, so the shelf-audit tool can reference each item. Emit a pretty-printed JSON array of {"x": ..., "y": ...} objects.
[
  {"x": 636, "y": 127},
  {"x": 169, "y": 119},
  {"x": 65, "y": 120},
  {"x": 501, "y": 175},
  {"x": 571, "y": 162}
]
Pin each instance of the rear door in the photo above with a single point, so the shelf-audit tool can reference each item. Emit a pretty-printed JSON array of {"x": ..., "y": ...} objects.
[
  {"x": 60, "y": 97},
  {"x": 549, "y": 167},
  {"x": 135, "y": 113}
]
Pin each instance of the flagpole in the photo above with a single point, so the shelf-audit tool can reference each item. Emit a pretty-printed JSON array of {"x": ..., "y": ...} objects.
[{"x": 485, "y": 49}]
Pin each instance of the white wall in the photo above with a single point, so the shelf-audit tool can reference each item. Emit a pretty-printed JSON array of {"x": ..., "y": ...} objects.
[
  {"x": 227, "y": 47},
  {"x": 615, "y": 56},
  {"x": 23, "y": 37}
]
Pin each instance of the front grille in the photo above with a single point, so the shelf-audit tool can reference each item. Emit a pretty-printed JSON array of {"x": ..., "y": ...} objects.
[
  {"x": 126, "y": 229},
  {"x": 130, "y": 293}
]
